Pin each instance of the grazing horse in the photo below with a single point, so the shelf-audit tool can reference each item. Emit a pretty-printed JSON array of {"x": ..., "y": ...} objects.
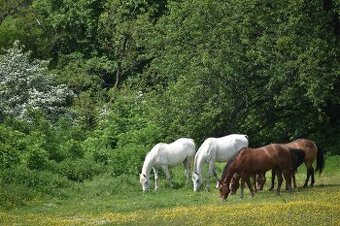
[
  {"x": 216, "y": 150},
  {"x": 164, "y": 155},
  {"x": 259, "y": 180},
  {"x": 250, "y": 161},
  {"x": 312, "y": 151}
]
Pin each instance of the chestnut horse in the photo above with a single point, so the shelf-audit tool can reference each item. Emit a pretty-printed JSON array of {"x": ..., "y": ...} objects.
[
  {"x": 312, "y": 151},
  {"x": 251, "y": 161},
  {"x": 260, "y": 178}
]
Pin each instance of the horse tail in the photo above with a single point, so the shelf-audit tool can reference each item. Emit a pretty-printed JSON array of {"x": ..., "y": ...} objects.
[
  {"x": 247, "y": 138},
  {"x": 320, "y": 159}
]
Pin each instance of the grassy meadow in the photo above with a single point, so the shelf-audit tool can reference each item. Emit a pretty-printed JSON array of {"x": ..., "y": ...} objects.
[{"x": 108, "y": 200}]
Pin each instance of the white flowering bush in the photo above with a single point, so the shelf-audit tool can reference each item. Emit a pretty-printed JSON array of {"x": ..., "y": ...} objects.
[{"x": 27, "y": 84}]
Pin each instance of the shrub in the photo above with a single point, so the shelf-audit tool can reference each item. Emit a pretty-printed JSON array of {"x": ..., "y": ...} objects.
[
  {"x": 12, "y": 195},
  {"x": 78, "y": 170},
  {"x": 37, "y": 159},
  {"x": 102, "y": 156},
  {"x": 128, "y": 159},
  {"x": 8, "y": 156},
  {"x": 42, "y": 181},
  {"x": 75, "y": 149}
]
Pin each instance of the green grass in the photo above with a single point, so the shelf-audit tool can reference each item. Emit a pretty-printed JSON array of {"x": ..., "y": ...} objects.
[{"x": 112, "y": 201}]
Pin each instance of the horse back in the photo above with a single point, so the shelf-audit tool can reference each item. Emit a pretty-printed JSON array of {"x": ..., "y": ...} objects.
[
  {"x": 176, "y": 152},
  {"x": 254, "y": 160},
  {"x": 309, "y": 147},
  {"x": 226, "y": 147}
]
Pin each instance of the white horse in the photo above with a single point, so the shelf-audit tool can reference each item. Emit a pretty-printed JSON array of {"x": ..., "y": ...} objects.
[
  {"x": 164, "y": 155},
  {"x": 216, "y": 150}
]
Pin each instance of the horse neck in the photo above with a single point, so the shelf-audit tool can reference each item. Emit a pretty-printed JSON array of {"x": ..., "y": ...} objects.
[
  {"x": 198, "y": 164},
  {"x": 147, "y": 165},
  {"x": 228, "y": 172},
  {"x": 200, "y": 156}
]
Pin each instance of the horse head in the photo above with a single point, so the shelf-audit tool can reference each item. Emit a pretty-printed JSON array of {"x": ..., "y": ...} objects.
[
  {"x": 234, "y": 183},
  {"x": 260, "y": 181},
  {"x": 224, "y": 190},
  {"x": 197, "y": 180},
  {"x": 144, "y": 180}
]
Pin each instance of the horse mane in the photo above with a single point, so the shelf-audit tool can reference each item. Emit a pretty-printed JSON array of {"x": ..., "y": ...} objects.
[{"x": 229, "y": 163}]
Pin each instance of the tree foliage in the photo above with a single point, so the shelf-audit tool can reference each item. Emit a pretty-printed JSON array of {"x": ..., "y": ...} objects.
[
  {"x": 144, "y": 72},
  {"x": 26, "y": 85}
]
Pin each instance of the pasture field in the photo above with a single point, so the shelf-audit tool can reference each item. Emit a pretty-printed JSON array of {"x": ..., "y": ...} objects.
[{"x": 120, "y": 201}]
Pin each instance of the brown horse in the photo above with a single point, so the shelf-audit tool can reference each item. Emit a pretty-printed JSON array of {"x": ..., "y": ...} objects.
[
  {"x": 251, "y": 161},
  {"x": 260, "y": 178},
  {"x": 312, "y": 151}
]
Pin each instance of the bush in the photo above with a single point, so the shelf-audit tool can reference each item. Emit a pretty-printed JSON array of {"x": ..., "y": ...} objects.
[
  {"x": 37, "y": 159},
  {"x": 12, "y": 195},
  {"x": 128, "y": 159},
  {"x": 42, "y": 181},
  {"x": 102, "y": 156},
  {"x": 78, "y": 170},
  {"x": 8, "y": 156},
  {"x": 71, "y": 149}
]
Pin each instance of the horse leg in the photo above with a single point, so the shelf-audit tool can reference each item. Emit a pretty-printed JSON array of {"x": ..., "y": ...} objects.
[
  {"x": 217, "y": 182},
  {"x": 242, "y": 185},
  {"x": 294, "y": 179},
  {"x": 167, "y": 174},
  {"x": 287, "y": 175},
  {"x": 279, "y": 181},
  {"x": 273, "y": 180},
  {"x": 312, "y": 175},
  {"x": 155, "y": 171},
  {"x": 255, "y": 178},
  {"x": 249, "y": 186},
  {"x": 307, "y": 179},
  {"x": 186, "y": 164},
  {"x": 263, "y": 180},
  {"x": 210, "y": 171}
]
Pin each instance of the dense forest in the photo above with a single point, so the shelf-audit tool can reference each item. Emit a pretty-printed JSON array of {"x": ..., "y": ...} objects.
[{"x": 89, "y": 86}]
